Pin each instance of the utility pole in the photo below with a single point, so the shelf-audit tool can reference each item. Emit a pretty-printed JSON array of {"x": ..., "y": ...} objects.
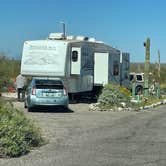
[{"x": 146, "y": 68}]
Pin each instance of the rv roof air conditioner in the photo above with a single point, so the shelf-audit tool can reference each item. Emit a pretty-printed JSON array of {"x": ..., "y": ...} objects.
[
  {"x": 91, "y": 39},
  {"x": 99, "y": 42},
  {"x": 70, "y": 38},
  {"x": 82, "y": 38},
  {"x": 56, "y": 36}
]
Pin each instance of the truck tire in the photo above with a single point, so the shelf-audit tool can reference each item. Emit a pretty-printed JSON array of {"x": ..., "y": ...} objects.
[
  {"x": 30, "y": 109},
  {"x": 138, "y": 90}
]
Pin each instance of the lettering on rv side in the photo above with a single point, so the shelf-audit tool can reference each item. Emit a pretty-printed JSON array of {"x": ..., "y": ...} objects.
[
  {"x": 44, "y": 47},
  {"x": 42, "y": 60}
]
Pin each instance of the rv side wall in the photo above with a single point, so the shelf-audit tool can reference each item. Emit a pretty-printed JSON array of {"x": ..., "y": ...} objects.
[
  {"x": 114, "y": 67},
  {"x": 125, "y": 70},
  {"x": 78, "y": 79}
]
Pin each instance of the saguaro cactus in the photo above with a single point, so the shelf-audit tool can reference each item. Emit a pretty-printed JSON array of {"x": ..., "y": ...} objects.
[
  {"x": 146, "y": 69},
  {"x": 158, "y": 66}
]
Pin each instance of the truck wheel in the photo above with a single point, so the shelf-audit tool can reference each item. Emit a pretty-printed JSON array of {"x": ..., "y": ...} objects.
[
  {"x": 30, "y": 109},
  {"x": 139, "y": 90}
]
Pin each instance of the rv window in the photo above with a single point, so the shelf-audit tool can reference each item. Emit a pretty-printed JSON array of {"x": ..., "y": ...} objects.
[
  {"x": 116, "y": 68},
  {"x": 74, "y": 56}
]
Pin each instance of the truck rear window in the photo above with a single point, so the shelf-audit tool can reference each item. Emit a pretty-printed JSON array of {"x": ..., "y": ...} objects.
[{"x": 49, "y": 84}]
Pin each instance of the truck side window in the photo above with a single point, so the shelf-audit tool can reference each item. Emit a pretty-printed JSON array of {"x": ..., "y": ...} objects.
[
  {"x": 115, "y": 68},
  {"x": 74, "y": 56},
  {"x": 139, "y": 77}
]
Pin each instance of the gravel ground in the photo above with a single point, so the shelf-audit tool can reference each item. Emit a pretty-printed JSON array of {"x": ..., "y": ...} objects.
[{"x": 84, "y": 138}]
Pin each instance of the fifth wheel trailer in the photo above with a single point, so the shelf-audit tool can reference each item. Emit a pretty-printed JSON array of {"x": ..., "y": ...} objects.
[{"x": 83, "y": 63}]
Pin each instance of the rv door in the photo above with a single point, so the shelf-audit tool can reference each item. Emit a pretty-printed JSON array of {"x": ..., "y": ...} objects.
[
  {"x": 101, "y": 68},
  {"x": 76, "y": 60}
]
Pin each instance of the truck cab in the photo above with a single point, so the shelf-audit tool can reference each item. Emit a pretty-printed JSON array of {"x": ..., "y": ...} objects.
[{"x": 138, "y": 78}]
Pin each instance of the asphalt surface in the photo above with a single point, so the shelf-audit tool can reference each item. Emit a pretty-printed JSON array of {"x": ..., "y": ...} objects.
[{"x": 83, "y": 138}]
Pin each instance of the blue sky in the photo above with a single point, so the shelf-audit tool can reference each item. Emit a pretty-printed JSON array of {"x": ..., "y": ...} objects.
[{"x": 124, "y": 24}]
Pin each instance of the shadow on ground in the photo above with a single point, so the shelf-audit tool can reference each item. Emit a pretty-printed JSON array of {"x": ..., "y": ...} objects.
[
  {"x": 83, "y": 99},
  {"x": 52, "y": 109}
]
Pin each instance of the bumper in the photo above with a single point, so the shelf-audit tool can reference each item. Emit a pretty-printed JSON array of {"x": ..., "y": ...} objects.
[{"x": 34, "y": 101}]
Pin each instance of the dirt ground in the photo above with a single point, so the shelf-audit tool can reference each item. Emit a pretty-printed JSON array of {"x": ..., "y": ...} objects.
[{"x": 80, "y": 137}]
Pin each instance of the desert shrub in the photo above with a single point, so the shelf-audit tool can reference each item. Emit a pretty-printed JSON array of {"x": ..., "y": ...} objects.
[
  {"x": 113, "y": 95},
  {"x": 18, "y": 134},
  {"x": 9, "y": 69},
  {"x": 163, "y": 88}
]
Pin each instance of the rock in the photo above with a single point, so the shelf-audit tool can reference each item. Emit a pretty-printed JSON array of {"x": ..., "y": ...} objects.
[
  {"x": 146, "y": 107},
  {"x": 141, "y": 108},
  {"x": 123, "y": 104},
  {"x": 120, "y": 109},
  {"x": 164, "y": 101}
]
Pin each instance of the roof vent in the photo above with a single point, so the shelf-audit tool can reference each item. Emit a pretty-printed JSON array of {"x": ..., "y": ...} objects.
[{"x": 56, "y": 36}]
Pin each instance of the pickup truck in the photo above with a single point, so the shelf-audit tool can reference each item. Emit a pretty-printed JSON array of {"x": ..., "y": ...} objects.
[{"x": 138, "y": 78}]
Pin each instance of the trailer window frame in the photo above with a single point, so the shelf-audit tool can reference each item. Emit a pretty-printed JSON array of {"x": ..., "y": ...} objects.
[{"x": 74, "y": 56}]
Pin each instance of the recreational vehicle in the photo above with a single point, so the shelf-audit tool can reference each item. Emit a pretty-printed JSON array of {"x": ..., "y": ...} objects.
[{"x": 83, "y": 63}]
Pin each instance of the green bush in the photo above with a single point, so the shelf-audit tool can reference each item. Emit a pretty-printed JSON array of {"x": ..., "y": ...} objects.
[
  {"x": 163, "y": 88},
  {"x": 18, "y": 134},
  {"x": 113, "y": 95},
  {"x": 9, "y": 69}
]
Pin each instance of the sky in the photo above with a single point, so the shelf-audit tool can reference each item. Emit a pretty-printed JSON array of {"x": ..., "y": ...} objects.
[{"x": 123, "y": 24}]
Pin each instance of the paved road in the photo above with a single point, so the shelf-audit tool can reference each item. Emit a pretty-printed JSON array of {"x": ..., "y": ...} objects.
[{"x": 84, "y": 138}]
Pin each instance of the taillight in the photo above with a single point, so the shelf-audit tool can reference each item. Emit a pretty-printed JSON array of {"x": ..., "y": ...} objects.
[
  {"x": 65, "y": 92},
  {"x": 33, "y": 91}
]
